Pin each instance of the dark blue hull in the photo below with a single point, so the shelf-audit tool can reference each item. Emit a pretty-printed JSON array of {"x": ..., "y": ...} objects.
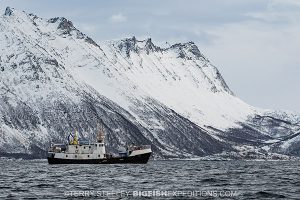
[{"x": 138, "y": 159}]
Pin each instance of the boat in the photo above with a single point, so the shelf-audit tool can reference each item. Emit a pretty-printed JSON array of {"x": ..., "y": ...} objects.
[{"x": 82, "y": 152}]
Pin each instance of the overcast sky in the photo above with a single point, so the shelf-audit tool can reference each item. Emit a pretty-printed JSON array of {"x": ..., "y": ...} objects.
[{"x": 254, "y": 43}]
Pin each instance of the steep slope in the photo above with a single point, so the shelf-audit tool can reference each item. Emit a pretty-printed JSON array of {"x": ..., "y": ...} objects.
[
  {"x": 180, "y": 77},
  {"x": 55, "y": 79}
]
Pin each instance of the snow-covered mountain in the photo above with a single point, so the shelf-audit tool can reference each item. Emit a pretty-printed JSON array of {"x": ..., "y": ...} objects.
[{"x": 54, "y": 79}]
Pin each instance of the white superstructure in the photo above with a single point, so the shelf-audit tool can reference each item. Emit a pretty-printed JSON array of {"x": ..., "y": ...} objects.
[{"x": 81, "y": 151}]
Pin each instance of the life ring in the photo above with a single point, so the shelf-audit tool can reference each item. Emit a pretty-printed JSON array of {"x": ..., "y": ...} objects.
[{"x": 76, "y": 151}]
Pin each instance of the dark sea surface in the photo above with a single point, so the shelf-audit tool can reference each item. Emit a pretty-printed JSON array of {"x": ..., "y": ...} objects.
[{"x": 35, "y": 179}]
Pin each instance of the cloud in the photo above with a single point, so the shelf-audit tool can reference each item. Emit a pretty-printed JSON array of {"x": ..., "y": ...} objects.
[
  {"x": 259, "y": 58},
  {"x": 285, "y": 2},
  {"x": 88, "y": 28},
  {"x": 118, "y": 18}
]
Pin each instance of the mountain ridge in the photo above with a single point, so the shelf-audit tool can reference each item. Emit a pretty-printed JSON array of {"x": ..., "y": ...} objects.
[{"x": 55, "y": 79}]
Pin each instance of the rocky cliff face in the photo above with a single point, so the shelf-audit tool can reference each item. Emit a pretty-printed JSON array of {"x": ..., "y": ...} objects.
[{"x": 54, "y": 79}]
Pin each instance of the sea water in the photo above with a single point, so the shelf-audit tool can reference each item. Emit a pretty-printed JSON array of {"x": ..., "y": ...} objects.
[{"x": 36, "y": 179}]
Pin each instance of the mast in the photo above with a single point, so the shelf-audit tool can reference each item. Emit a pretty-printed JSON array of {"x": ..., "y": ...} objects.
[
  {"x": 76, "y": 138},
  {"x": 101, "y": 134},
  {"x": 74, "y": 141}
]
